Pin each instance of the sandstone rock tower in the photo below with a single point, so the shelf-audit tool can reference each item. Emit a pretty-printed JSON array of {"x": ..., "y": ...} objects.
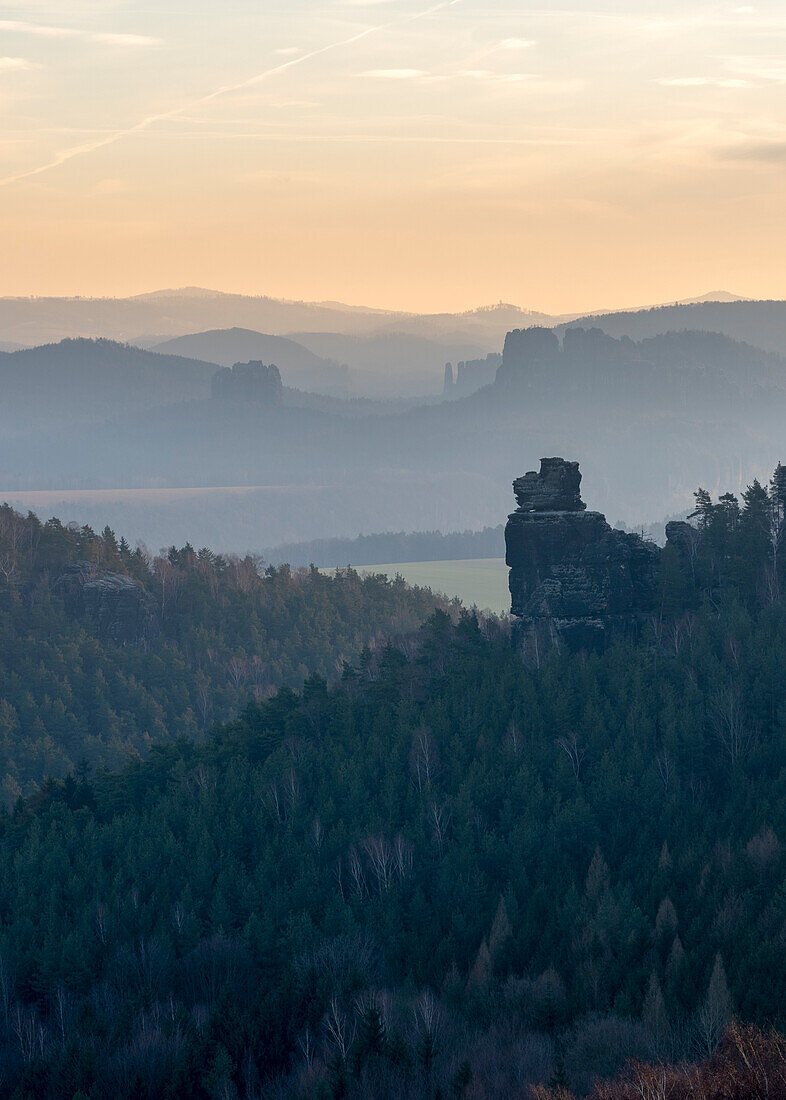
[{"x": 573, "y": 579}]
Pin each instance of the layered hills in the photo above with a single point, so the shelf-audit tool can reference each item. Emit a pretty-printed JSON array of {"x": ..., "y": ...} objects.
[
  {"x": 190, "y": 309},
  {"x": 665, "y": 413},
  {"x": 300, "y": 368},
  {"x": 761, "y": 323}
]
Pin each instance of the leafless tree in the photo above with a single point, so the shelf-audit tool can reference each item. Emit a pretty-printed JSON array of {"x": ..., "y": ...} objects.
[
  {"x": 729, "y": 724},
  {"x": 665, "y": 766},
  {"x": 292, "y": 788},
  {"x": 271, "y": 799},
  {"x": 356, "y": 871},
  {"x": 170, "y": 578},
  {"x": 29, "y": 1032},
  {"x": 178, "y": 917},
  {"x": 307, "y": 1046},
  {"x": 402, "y": 856},
  {"x": 515, "y": 738},
  {"x": 338, "y": 871},
  {"x": 380, "y": 857},
  {"x": 101, "y": 921},
  {"x": 339, "y": 1029},
  {"x": 574, "y": 751},
  {"x": 62, "y": 1012},
  {"x": 204, "y": 702},
  {"x": 715, "y": 1012},
  {"x": 439, "y": 819},
  {"x": 238, "y": 671},
  {"x": 423, "y": 758},
  {"x": 8, "y": 566},
  {"x": 427, "y": 1013}
]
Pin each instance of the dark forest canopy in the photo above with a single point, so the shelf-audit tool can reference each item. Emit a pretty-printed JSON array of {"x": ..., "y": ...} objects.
[
  {"x": 445, "y": 874},
  {"x": 176, "y": 642},
  {"x": 393, "y": 546}
]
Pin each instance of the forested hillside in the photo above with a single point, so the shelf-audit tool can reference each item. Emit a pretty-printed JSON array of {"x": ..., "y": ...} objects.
[
  {"x": 762, "y": 323},
  {"x": 393, "y": 546},
  {"x": 91, "y": 381},
  {"x": 444, "y": 875},
  {"x": 175, "y": 643}
]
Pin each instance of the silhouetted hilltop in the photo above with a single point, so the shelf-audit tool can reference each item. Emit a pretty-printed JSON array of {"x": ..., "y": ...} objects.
[
  {"x": 176, "y": 312},
  {"x": 255, "y": 382},
  {"x": 300, "y": 368},
  {"x": 92, "y": 379},
  {"x": 391, "y": 546},
  {"x": 762, "y": 324},
  {"x": 660, "y": 367}
]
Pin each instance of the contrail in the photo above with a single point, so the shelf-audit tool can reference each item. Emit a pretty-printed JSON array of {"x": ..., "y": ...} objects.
[{"x": 225, "y": 89}]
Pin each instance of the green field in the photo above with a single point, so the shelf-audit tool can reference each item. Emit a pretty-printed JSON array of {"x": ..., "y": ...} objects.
[{"x": 479, "y": 581}]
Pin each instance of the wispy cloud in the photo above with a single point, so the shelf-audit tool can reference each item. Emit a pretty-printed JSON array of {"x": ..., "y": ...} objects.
[
  {"x": 497, "y": 78},
  {"x": 108, "y": 39},
  {"x": 43, "y": 30},
  {"x": 225, "y": 89},
  {"x": 702, "y": 82},
  {"x": 761, "y": 152},
  {"x": 39, "y": 29},
  {"x": 394, "y": 74},
  {"x": 16, "y": 65},
  {"x": 517, "y": 43},
  {"x": 769, "y": 68}
]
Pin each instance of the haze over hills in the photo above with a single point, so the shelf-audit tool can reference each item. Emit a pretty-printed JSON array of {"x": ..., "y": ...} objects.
[
  {"x": 382, "y": 365},
  {"x": 392, "y": 364},
  {"x": 179, "y": 312},
  {"x": 650, "y": 420},
  {"x": 88, "y": 381},
  {"x": 760, "y": 323},
  {"x": 299, "y": 367}
]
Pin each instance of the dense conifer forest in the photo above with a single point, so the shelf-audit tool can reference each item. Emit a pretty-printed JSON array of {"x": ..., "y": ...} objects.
[
  {"x": 443, "y": 874},
  {"x": 225, "y": 629}
]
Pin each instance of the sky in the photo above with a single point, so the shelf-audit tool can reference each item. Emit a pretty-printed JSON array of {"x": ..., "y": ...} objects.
[{"x": 393, "y": 153}]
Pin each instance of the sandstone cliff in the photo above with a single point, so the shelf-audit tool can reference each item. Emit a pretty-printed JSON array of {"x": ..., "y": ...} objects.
[
  {"x": 113, "y": 605},
  {"x": 573, "y": 578}
]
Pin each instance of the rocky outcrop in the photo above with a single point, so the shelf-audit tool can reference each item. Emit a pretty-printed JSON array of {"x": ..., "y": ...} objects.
[
  {"x": 253, "y": 381},
  {"x": 573, "y": 578},
  {"x": 113, "y": 605},
  {"x": 471, "y": 375}
]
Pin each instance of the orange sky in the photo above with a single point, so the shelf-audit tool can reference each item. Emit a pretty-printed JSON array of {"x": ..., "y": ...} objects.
[{"x": 393, "y": 153}]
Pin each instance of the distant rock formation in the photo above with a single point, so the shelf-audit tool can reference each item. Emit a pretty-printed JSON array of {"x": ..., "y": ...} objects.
[
  {"x": 113, "y": 605},
  {"x": 573, "y": 578},
  {"x": 470, "y": 375},
  {"x": 252, "y": 381}
]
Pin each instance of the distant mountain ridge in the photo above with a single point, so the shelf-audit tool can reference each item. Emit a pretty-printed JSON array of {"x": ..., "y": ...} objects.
[
  {"x": 79, "y": 381},
  {"x": 300, "y": 368},
  {"x": 761, "y": 324},
  {"x": 177, "y": 313},
  {"x": 655, "y": 413}
]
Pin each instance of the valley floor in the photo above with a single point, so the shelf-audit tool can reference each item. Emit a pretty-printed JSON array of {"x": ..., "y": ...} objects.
[{"x": 479, "y": 582}]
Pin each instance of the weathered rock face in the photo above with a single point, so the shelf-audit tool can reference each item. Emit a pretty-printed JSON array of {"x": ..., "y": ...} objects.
[
  {"x": 253, "y": 381},
  {"x": 115, "y": 606},
  {"x": 572, "y": 577},
  {"x": 557, "y": 488}
]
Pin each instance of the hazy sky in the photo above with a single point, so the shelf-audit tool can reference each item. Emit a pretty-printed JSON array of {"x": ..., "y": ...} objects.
[{"x": 395, "y": 153}]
